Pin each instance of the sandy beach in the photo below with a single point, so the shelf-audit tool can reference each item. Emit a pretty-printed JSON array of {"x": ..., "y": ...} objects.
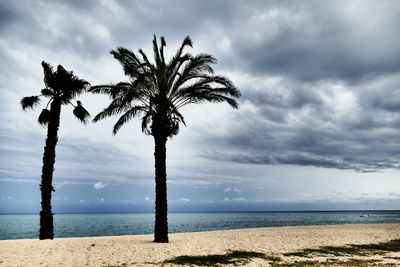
[{"x": 139, "y": 250}]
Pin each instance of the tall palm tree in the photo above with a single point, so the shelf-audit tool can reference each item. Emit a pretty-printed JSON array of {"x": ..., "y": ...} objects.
[
  {"x": 156, "y": 91},
  {"x": 62, "y": 87}
]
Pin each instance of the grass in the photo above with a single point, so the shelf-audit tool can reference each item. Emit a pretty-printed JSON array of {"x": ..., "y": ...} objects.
[
  {"x": 296, "y": 263},
  {"x": 232, "y": 257},
  {"x": 273, "y": 258},
  {"x": 391, "y": 246},
  {"x": 393, "y": 258},
  {"x": 357, "y": 262},
  {"x": 358, "y": 250},
  {"x": 329, "y": 262},
  {"x": 239, "y": 257},
  {"x": 327, "y": 250}
]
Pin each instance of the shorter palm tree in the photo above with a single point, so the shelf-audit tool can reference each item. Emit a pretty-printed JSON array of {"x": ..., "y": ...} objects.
[{"x": 62, "y": 87}]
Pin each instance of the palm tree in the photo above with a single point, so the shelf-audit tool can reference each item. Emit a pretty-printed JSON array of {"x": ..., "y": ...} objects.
[
  {"x": 156, "y": 92},
  {"x": 62, "y": 87}
]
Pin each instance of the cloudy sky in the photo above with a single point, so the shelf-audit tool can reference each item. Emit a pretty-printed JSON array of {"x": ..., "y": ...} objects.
[{"x": 318, "y": 126}]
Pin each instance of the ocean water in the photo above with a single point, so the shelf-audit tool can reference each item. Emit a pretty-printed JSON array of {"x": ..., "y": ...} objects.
[{"x": 79, "y": 225}]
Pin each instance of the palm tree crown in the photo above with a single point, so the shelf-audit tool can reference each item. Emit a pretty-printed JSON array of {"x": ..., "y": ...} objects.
[
  {"x": 156, "y": 91},
  {"x": 62, "y": 86}
]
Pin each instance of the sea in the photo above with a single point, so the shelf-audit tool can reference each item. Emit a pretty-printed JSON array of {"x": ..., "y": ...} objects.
[{"x": 21, "y": 226}]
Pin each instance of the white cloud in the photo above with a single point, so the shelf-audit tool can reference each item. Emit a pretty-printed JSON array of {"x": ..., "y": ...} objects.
[
  {"x": 229, "y": 189},
  {"x": 99, "y": 185},
  {"x": 237, "y": 190},
  {"x": 236, "y": 199},
  {"x": 62, "y": 184},
  {"x": 239, "y": 199},
  {"x": 184, "y": 200}
]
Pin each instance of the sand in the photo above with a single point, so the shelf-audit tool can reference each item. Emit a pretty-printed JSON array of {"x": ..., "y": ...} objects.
[{"x": 139, "y": 250}]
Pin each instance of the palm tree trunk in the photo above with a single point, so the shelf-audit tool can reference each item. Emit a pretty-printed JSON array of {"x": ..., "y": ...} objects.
[
  {"x": 161, "y": 221},
  {"x": 49, "y": 157}
]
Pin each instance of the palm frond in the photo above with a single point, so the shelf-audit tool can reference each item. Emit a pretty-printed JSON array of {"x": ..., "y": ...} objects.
[
  {"x": 49, "y": 76},
  {"x": 29, "y": 102},
  {"x": 113, "y": 90},
  {"x": 146, "y": 119},
  {"x": 44, "y": 117},
  {"x": 203, "y": 91},
  {"x": 174, "y": 67},
  {"x": 129, "y": 61},
  {"x": 123, "y": 96},
  {"x": 197, "y": 98},
  {"x": 220, "y": 98},
  {"x": 107, "y": 112},
  {"x": 70, "y": 86},
  {"x": 176, "y": 114},
  {"x": 177, "y": 57},
  {"x": 130, "y": 114},
  {"x": 134, "y": 67},
  {"x": 205, "y": 84},
  {"x": 152, "y": 70},
  {"x": 47, "y": 92},
  {"x": 81, "y": 113},
  {"x": 163, "y": 44},
  {"x": 77, "y": 86},
  {"x": 116, "y": 106},
  {"x": 193, "y": 69},
  {"x": 156, "y": 53},
  {"x": 199, "y": 64},
  {"x": 125, "y": 55}
]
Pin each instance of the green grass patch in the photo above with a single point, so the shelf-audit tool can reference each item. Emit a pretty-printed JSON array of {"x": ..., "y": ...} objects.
[
  {"x": 232, "y": 257},
  {"x": 358, "y": 250},
  {"x": 238, "y": 257},
  {"x": 352, "y": 262},
  {"x": 386, "y": 257},
  {"x": 391, "y": 246},
  {"x": 329, "y": 262},
  {"x": 327, "y": 250},
  {"x": 272, "y": 258},
  {"x": 357, "y": 262},
  {"x": 296, "y": 263}
]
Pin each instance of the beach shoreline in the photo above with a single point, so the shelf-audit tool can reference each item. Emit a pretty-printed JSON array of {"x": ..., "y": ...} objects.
[{"x": 140, "y": 250}]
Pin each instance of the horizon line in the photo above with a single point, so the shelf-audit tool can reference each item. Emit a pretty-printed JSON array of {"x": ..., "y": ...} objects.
[{"x": 244, "y": 211}]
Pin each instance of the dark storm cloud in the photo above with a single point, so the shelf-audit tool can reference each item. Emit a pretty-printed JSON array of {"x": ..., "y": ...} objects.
[
  {"x": 316, "y": 40},
  {"x": 310, "y": 40},
  {"x": 180, "y": 16},
  {"x": 302, "y": 159},
  {"x": 338, "y": 126},
  {"x": 312, "y": 48},
  {"x": 93, "y": 28},
  {"x": 56, "y": 25},
  {"x": 6, "y": 16},
  {"x": 382, "y": 97}
]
